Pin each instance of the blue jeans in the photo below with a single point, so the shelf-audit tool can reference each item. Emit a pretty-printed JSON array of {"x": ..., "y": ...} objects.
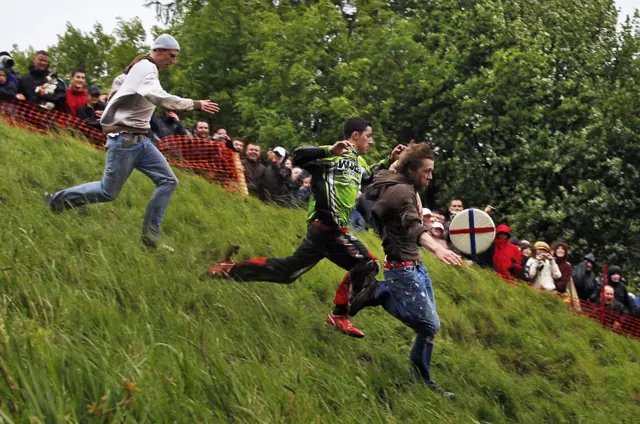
[
  {"x": 407, "y": 294},
  {"x": 413, "y": 302},
  {"x": 121, "y": 161}
]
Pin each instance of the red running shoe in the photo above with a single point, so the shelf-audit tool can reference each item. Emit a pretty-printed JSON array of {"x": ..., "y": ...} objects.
[
  {"x": 343, "y": 325},
  {"x": 222, "y": 269},
  {"x": 219, "y": 270}
]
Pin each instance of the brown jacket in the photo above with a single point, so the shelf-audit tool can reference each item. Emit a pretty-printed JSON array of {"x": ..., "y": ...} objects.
[{"x": 398, "y": 215}]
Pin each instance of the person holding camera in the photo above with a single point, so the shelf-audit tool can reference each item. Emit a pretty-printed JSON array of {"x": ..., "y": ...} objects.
[{"x": 543, "y": 269}]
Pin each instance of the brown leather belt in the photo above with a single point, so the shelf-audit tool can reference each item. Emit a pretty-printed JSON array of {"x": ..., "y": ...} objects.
[{"x": 130, "y": 139}]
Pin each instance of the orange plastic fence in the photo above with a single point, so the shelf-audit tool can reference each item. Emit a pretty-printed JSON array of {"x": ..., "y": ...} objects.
[
  {"x": 623, "y": 324},
  {"x": 608, "y": 318},
  {"x": 209, "y": 159}
]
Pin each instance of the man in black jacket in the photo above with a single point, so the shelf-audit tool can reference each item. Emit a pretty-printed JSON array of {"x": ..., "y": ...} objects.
[
  {"x": 42, "y": 87},
  {"x": 275, "y": 184},
  {"x": 253, "y": 167}
]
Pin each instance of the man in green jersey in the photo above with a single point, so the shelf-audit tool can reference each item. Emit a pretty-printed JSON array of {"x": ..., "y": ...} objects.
[{"x": 337, "y": 171}]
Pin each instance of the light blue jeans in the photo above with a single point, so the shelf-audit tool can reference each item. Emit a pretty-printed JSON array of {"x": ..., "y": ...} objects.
[{"x": 121, "y": 161}]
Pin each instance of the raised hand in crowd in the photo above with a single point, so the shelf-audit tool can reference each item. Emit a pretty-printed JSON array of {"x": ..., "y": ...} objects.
[{"x": 173, "y": 115}]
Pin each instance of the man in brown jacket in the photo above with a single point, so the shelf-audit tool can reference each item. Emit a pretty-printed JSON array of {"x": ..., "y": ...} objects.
[{"x": 407, "y": 292}]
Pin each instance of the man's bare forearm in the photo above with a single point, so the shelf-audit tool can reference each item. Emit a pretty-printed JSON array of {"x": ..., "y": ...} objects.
[{"x": 428, "y": 242}]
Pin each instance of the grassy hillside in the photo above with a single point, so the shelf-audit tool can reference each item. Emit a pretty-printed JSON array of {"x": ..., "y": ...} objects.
[{"x": 85, "y": 308}]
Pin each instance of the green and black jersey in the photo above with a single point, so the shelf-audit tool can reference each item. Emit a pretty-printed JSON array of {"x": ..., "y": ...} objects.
[{"x": 335, "y": 182}]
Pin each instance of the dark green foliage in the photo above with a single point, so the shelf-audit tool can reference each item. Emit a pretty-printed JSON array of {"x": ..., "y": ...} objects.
[{"x": 533, "y": 106}]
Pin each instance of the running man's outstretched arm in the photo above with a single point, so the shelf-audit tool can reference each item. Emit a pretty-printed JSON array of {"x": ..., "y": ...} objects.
[
  {"x": 445, "y": 255},
  {"x": 151, "y": 90}
]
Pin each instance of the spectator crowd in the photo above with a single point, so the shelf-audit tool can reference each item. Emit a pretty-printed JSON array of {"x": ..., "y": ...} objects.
[
  {"x": 545, "y": 266},
  {"x": 273, "y": 178}
]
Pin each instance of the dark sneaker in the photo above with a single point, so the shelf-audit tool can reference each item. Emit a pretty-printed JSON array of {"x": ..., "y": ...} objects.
[
  {"x": 439, "y": 390},
  {"x": 152, "y": 243},
  {"x": 366, "y": 297},
  {"x": 344, "y": 325}
]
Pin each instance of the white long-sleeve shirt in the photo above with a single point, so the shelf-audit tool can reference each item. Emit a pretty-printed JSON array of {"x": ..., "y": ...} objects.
[
  {"x": 543, "y": 277},
  {"x": 136, "y": 96}
]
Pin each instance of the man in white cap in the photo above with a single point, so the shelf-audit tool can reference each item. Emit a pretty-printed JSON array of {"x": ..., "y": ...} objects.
[{"x": 135, "y": 95}]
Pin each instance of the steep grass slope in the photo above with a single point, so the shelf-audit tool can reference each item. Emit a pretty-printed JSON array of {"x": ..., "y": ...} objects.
[{"x": 84, "y": 308}]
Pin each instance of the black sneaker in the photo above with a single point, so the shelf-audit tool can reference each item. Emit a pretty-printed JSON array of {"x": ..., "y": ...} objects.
[
  {"x": 439, "y": 390},
  {"x": 365, "y": 298}
]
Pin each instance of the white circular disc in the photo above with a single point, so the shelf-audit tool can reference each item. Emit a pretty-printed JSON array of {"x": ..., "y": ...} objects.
[{"x": 472, "y": 231}]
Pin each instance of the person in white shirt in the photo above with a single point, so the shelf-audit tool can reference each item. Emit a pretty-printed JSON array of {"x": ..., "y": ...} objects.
[
  {"x": 135, "y": 95},
  {"x": 543, "y": 269}
]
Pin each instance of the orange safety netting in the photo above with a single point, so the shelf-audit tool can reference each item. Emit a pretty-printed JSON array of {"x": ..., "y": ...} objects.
[
  {"x": 619, "y": 323},
  {"x": 212, "y": 160},
  {"x": 608, "y": 318}
]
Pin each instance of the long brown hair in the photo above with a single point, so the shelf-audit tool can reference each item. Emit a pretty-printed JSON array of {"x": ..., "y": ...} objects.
[
  {"x": 138, "y": 59},
  {"x": 413, "y": 156}
]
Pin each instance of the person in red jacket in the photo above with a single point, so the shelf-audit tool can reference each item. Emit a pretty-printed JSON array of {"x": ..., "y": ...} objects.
[
  {"x": 77, "y": 95},
  {"x": 507, "y": 260}
]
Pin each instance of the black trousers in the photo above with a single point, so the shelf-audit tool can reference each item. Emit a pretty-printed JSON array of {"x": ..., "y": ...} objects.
[{"x": 335, "y": 244}]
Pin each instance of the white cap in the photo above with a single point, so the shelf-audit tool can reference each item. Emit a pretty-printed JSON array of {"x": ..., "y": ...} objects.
[
  {"x": 165, "y": 41},
  {"x": 437, "y": 225},
  {"x": 280, "y": 151},
  {"x": 426, "y": 211}
]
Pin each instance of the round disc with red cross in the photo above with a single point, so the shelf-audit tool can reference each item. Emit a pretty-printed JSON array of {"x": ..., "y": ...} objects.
[{"x": 472, "y": 231}]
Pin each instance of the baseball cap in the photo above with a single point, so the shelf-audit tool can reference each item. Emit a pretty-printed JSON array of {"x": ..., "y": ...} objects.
[
  {"x": 93, "y": 91},
  {"x": 280, "y": 151},
  {"x": 437, "y": 225}
]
